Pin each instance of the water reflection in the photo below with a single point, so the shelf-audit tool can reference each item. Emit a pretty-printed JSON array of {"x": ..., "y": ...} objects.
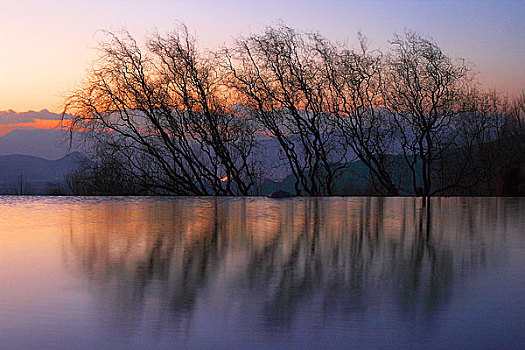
[{"x": 278, "y": 265}]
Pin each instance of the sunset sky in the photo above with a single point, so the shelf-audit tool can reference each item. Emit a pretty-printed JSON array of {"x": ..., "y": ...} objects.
[{"x": 47, "y": 46}]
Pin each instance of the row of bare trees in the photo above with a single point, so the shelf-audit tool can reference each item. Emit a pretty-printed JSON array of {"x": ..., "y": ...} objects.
[{"x": 174, "y": 119}]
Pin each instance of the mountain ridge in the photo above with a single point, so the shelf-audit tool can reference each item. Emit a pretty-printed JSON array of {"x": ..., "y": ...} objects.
[
  {"x": 50, "y": 144},
  {"x": 36, "y": 174}
]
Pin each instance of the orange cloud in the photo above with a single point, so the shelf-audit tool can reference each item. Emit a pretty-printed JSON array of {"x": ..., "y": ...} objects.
[{"x": 35, "y": 124}]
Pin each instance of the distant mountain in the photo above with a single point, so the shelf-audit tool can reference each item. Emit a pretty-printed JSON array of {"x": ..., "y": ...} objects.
[
  {"x": 354, "y": 179},
  {"x": 35, "y": 173},
  {"x": 44, "y": 143}
]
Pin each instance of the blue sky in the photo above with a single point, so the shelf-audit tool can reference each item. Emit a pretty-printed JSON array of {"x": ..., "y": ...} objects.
[{"x": 48, "y": 46}]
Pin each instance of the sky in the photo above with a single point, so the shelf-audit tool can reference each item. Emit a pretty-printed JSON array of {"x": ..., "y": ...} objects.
[{"x": 47, "y": 46}]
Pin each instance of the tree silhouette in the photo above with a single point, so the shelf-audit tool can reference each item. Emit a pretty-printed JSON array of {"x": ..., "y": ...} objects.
[
  {"x": 160, "y": 109},
  {"x": 278, "y": 76}
]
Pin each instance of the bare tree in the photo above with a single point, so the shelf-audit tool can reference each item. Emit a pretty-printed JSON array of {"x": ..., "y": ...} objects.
[
  {"x": 165, "y": 118},
  {"x": 471, "y": 164},
  {"x": 103, "y": 174},
  {"x": 161, "y": 110},
  {"x": 355, "y": 82},
  {"x": 510, "y": 148},
  {"x": 21, "y": 186},
  {"x": 424, "y": 91},
  {"x": 515, "y": 118},
  {"x": 278, "y": 76}
]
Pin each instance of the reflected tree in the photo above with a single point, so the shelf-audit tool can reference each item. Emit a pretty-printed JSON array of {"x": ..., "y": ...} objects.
[{"x": 343, "y": 255}]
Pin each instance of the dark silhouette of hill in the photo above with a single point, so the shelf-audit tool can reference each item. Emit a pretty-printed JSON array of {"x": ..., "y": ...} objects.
[
  {"x": 354, "y": 180},
  {"x": 35, "y": 174}
]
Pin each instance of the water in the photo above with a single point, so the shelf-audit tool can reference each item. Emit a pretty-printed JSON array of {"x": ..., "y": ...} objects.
[{"x": 256, "y": 273}]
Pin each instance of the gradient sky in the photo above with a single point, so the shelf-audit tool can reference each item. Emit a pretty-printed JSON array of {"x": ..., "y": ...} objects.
[{"x": 47, "y": 46}]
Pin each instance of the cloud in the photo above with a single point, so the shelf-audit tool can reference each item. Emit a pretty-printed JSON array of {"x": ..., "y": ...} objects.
[
  {"x": 10, "y": 116},
  {"x": 44, "y": 119}
]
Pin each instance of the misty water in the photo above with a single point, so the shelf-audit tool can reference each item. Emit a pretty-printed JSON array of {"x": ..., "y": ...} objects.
[{"x": 256, "y": 273}]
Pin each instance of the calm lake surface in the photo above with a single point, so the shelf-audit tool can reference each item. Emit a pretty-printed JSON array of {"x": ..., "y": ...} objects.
[{"x": 257, "y": 273}]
